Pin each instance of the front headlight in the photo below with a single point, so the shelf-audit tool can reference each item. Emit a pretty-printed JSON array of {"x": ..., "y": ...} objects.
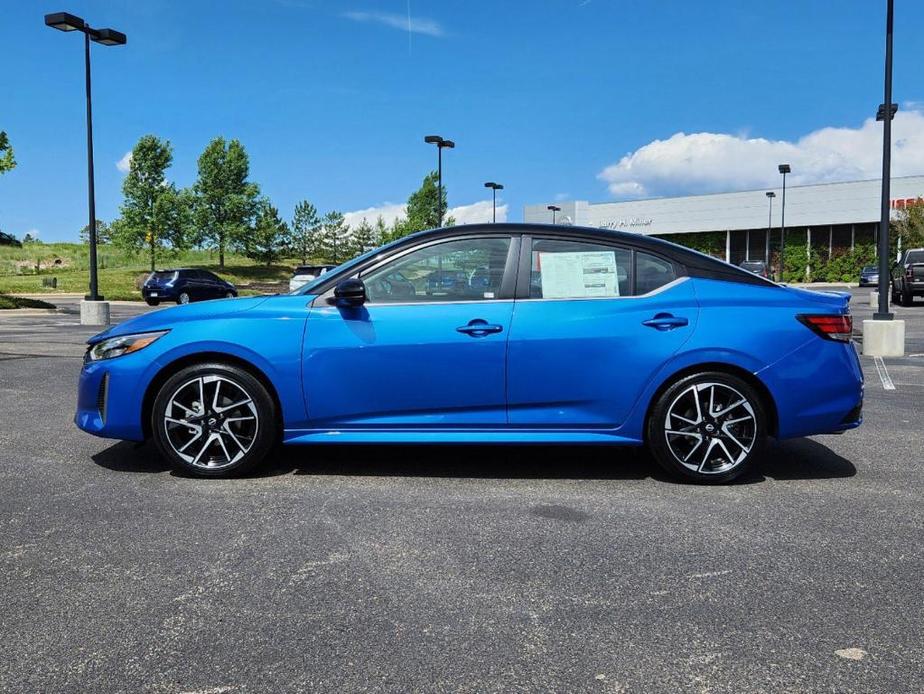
[{"x": 124, "y": 344}]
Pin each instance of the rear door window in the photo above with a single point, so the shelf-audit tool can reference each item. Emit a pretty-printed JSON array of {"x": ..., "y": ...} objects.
[
  {"x": 652, "y": 272},
  {"x": 561, "y": 269}
]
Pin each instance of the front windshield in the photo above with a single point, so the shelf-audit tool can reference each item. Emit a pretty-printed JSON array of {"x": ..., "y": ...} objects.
[{"x": 341, "y": 269}]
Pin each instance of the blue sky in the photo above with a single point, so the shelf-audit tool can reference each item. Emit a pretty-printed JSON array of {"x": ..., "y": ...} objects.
[{"x": 586, "y": 99}]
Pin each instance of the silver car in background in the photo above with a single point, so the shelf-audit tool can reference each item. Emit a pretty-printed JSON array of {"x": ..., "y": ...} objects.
[{"x": 306, "y": 273}]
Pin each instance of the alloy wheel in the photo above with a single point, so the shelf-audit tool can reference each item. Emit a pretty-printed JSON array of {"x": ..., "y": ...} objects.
[
  {"x": 211, "y": 422},
  {"x": 710, "y": 428}
]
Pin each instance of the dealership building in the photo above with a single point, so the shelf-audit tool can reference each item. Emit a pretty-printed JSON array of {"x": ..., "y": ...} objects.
[{"x": 830, "y": 217}]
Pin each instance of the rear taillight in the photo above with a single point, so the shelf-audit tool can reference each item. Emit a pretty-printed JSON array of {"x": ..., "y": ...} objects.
[{"x": 829, "y": 327}]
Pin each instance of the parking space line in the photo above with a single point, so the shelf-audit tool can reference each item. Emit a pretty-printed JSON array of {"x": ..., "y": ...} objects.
[{"x": 884, "y": 374}]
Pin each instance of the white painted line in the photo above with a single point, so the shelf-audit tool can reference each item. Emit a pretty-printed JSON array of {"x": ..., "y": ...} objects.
[{"x": 884, "y": 374}]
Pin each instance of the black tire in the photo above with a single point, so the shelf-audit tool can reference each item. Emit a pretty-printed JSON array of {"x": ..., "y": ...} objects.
[
  {"x": 907, "y": 298},
  {"x": 230, "y": 295},
  {"x": 245, "y": 432},
  {"x": 731, "y": 447},
  {"x": 152, "y": 302},
  {"x": 183, "y": 298}
]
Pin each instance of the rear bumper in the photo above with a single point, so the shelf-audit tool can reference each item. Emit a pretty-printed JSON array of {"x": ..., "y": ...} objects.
[
  {"x": 818, "y": 389},
  {"x": 159, "y": 293}
]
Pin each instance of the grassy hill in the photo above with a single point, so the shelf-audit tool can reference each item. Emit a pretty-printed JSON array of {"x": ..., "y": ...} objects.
[{"x": 22, "y": 270}]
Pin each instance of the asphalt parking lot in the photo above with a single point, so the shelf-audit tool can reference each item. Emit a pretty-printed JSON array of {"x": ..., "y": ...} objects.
[{"x": 451, "y": 568}]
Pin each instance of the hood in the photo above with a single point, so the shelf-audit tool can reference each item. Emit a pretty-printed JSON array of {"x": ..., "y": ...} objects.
[
  {"x": 164, "y": 319},
  {"x": 833, "y": 299}
]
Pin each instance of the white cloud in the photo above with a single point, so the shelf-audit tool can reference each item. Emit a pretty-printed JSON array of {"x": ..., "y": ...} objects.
[
  {"x": 717, "y": 162},
  {"x": 125, "y": 162},
  {"x": 389, "y": 212},
  {"x": 415, "y": 25},
  {"x": 463, "y": 214},
  {"x": 477, "y": 212}
]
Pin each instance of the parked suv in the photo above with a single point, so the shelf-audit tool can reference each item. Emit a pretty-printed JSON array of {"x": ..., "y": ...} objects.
[
  {"x": 908, "y": 277},
  {"x": 306, "y": 273},
  {"x": 184, "y": 285}
]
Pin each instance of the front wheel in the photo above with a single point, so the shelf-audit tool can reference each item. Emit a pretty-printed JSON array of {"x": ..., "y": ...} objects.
[
  {"x": 707, "y": 427},
  {"x": 183, "y": 298},
  {"x": 230, "y": 295},
  {"x": 214, "y": 420},
  {"x": 152, "y": 302}
]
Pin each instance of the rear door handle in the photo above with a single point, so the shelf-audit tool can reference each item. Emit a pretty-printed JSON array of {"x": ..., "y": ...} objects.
[
  {"x": 665, "y": 321},
  {"x": 479, "y": 328}
]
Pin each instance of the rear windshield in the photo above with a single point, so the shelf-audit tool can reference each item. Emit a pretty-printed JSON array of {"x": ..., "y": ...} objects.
[
  {"x": 163, "y": 274},
  {"x": 915, "y": 257},
  {"x": 752, "y": 264},
  {"x": 308, "y": 269}
]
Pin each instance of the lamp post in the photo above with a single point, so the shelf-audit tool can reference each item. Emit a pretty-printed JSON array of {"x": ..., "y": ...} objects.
[
  {"x": 440, "y": 144},
  {"x": 770, "y": 196},
  {"x": 553, "y": 209},
  {"x": 63, "y": 21},
  {"x": 494, "y": 188},
  {"x": 783, "y": 169},
  {"x": 885, "y": 278}
]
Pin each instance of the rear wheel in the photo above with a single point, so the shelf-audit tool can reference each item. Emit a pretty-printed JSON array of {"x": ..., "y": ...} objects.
[
  {"x": 214, "y": 420},
  {"x": 707, "y": 427},
  {"x": 152, "y": 302},
  {"x": 183, "y": 298},
  {"x": 230, "y": 295},
  {"x": 907, "y": 298}
]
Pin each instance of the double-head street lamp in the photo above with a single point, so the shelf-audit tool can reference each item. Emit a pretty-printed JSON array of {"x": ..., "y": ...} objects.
[
  {"x": 107, "y": 37},
  {"x": 553, "y": 209},
  {"x": 440, "y": 144},
  {"x": 494, "y": 188},
  {"x": 783, "y": 169}
]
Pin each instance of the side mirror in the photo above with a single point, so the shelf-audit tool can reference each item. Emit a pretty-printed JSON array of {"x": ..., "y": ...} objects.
[{"x": 351, "y": 292}]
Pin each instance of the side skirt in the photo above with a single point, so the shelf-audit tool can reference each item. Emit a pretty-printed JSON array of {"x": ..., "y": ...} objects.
[{"x": 456, "y": 436}]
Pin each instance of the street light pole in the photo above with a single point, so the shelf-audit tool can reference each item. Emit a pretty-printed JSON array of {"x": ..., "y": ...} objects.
[
  {"x": 783, "y": 169},
  {"x": 553, "y": 209},
  {"x": 91, "y": 188},
  {"x": 63, "y": 21},
  {"x": 494, "y": 188},
  {"x": 440, "y": 144},
  {"x": 770, "y": 196},
  {"x": 886, "y": 113}
]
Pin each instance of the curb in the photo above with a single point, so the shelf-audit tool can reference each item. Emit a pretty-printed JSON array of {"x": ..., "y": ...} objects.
[{"x": 14, "y": 312}]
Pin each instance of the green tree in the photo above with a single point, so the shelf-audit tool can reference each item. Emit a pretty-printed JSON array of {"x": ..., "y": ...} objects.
[
  {"x": 305, "y": 231},
  {"x": 155, "y": 215},
  {"x": 424, "y": 204},
  {"x": 29, "y": 238},
  {"x": 7, "y": 158},
  {"x": 226, "y": 201},
  {"x": 269, "y": 236},
  {"x": 103, "y": 233},
  {"x": 909, "y": 226},
  {"x": 334, "y": 237},
  {"x": 365, "y": 237}
]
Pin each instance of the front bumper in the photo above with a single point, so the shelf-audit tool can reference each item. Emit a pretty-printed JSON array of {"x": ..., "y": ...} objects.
[{"x": 107, "y": 402}]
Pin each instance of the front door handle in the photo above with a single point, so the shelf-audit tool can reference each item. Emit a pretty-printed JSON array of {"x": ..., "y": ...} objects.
[
  {"x": 479, "y": 328},
  {"x": 665, "y": 321}
]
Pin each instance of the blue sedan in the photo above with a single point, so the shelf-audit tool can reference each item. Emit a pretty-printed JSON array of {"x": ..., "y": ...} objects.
[{"x": 550, "y": 335}]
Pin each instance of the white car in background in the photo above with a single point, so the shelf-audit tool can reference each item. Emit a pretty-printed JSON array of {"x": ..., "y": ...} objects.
[{"x": 306, "y": 273}]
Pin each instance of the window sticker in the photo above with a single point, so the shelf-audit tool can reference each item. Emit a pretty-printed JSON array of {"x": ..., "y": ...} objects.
[{"x": 578, "y": 275}]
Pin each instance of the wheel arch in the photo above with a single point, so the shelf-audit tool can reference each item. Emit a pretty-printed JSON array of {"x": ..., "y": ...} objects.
[
  {"x": 751, "y": 379},
  {"x": 168, "y": 370}
]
